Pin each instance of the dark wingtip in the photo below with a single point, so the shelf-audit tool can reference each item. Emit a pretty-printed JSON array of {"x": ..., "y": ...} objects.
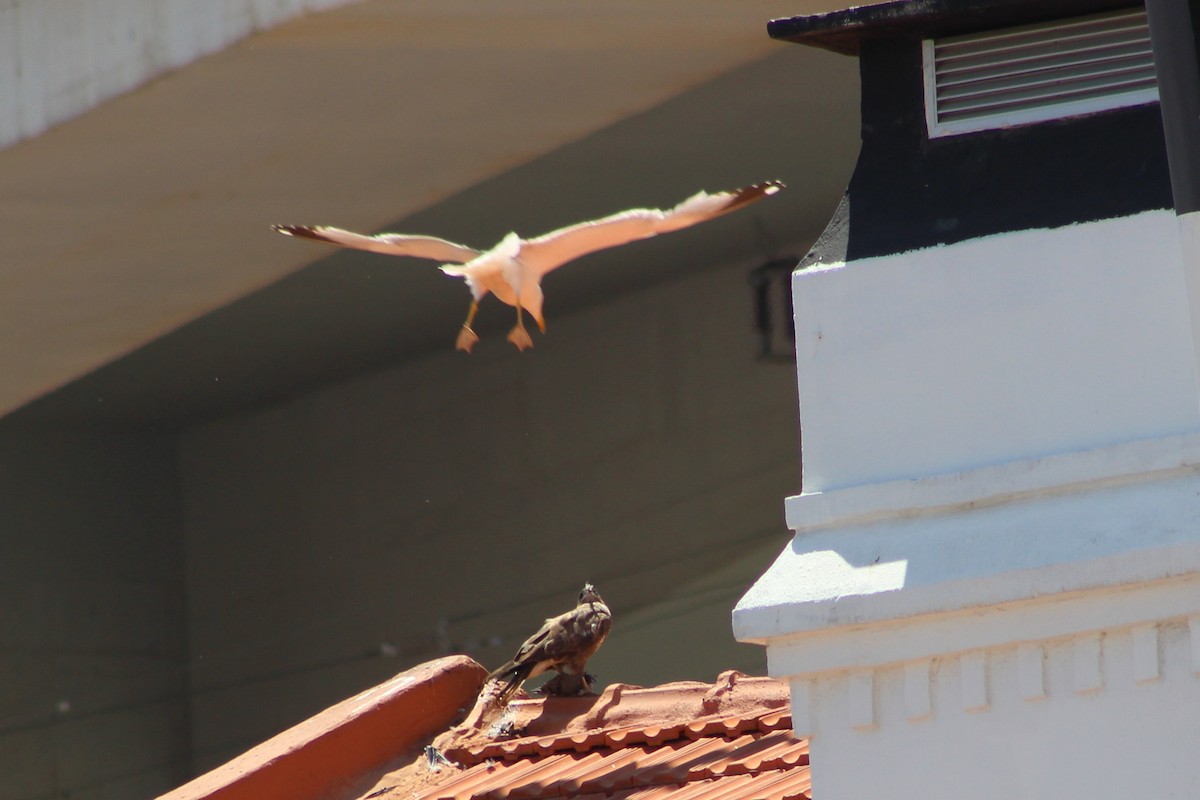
[
  {"x": 753, "y": 193},
  {"x": 763, "y": 189},
  {"x": 302, "y": 231}
]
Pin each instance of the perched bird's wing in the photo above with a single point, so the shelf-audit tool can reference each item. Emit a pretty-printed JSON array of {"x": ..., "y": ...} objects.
[
  {"x": 565, "y": 244},
  {"x": 392, "y": 244},
  {"x": 556, "y": 641},
  {"x": 531, "y": 651}
]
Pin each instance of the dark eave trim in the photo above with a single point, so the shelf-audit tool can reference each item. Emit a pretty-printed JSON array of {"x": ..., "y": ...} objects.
[
  {"x": 844, "y": 31},
  {"x": 1172, "y": 33}
]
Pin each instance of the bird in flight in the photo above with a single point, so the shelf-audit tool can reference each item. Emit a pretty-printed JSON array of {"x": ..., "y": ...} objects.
[
  {"x": 564, "y": 644},
  {"x": 513, "y": 269}
]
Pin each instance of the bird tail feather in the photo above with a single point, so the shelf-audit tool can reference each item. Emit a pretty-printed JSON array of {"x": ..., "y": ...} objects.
[{"x": 514, "y": 675}]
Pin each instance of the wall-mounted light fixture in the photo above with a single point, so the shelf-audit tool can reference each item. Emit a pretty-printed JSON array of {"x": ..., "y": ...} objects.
[{"x": 771, "y": 284}]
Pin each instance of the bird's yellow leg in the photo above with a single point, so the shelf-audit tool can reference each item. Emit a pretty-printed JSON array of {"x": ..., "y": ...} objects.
[
  {"x": 518, "y": 335},
  {"x": 466, "y": 337}
]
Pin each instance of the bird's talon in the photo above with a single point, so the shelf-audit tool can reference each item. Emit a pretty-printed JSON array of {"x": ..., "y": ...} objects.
[
  {"x": 466, "y": 339},
  {"x": 520, "y": 338}
]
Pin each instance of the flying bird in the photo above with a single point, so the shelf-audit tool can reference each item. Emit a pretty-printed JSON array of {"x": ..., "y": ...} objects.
[
  {"x": 564, "y": 644},
  {"x": 513, "y": 269}
]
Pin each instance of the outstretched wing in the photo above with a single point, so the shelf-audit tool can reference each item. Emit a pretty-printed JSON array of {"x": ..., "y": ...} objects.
[
  {"x": 392, "y": 244},
  {"x": 565, "y": 244}
]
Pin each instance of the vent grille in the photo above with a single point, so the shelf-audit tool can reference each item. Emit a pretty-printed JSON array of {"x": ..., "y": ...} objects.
[{"x": 1038, "y": 72}]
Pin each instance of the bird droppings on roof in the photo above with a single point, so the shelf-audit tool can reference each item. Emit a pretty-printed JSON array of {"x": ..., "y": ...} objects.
[{"x": 695, "y": 740}]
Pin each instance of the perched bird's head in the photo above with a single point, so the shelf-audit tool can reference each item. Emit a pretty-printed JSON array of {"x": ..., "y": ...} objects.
[{"x": 589, "y": 595}]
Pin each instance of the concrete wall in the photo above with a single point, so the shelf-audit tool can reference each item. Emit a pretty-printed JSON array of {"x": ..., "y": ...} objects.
[
  {"x": 92, "y": 636},
  {"x": 452, "y": 504},
  {"x": 1008, "y": 346},
  {"x": 59, "y": 58}
]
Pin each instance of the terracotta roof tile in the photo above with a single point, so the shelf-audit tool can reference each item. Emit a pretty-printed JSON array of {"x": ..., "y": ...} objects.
[
  {"x": 751, "y": 754},
  {"x": 349, "y": 741},
  {"x": 688, "y": 740}
]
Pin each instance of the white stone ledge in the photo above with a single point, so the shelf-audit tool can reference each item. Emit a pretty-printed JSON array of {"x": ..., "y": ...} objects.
[
  {"x": 1009, "y": 625},
  {"x": 1143, "y": 460},
  {"x": 1108, "y": 521}
]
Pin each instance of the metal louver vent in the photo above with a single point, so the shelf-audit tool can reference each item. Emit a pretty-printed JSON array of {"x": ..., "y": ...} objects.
[{"x": 1038, "y": 72}]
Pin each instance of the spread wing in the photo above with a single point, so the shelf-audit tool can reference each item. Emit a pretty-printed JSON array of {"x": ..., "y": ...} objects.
[
  {"x": 392, "y": 244},
  {"x": 565, "y": 244}
]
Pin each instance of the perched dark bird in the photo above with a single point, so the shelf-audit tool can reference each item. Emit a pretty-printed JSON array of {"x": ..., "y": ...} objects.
[
  {"x": 563, "y": 644},
  {"x": 513, "y": 269}
]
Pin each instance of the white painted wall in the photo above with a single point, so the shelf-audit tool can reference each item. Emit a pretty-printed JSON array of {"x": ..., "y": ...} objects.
[
  {"x": 59, "y": 58},
  {"x": 994, "y": 585},
  {"x": 1010, "y": 346},
  {"x": 1109, "y": 713}
]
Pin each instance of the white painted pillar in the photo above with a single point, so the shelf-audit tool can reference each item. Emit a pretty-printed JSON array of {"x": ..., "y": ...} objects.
[{"x": 994, "y": 584}]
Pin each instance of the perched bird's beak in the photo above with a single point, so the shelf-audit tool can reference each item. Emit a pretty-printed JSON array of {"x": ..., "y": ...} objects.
[{"x": 589, "y": 595}]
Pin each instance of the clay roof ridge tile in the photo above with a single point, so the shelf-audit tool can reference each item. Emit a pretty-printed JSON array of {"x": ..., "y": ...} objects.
[
  {"x": 775, "y": 720},
  {"x": 768, "y": 786},
  {"x": 763, "y": 786},
  {"x": 682, "y": 791},
  {"x": 617, "y": 739},
  {"x": 783, "y": 785},
  {"x": 649, "y": 767},
  {"x": 476, "y": 753},
  {"x": 708, "y": 758},
  {"x": 733, "y": 762},
  {"x": 519, "y": 747},
  {"x": 720, "y": 787},
  {"x": 658, "y": 735},
  {"x": 589, "y": 740},
  {"x": 695, "y": 769},
  {"x": 474, "y": 782},
  {"x": 529, "y": 779},
  {"x": 736, "y": 788},
  {"x": 649, "y": 793},
  {"x": 633, "y": 757},
  {"x": 553, "y": 743},
  {"x": 568, "y": 776},
  {"x": 726, "y": 726},
  {"x": 770, "y": 752},
  {"x": 513, "y": 749},
  {"x": 795, "y": 758},
  {"x": 620, "y": 771}
]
